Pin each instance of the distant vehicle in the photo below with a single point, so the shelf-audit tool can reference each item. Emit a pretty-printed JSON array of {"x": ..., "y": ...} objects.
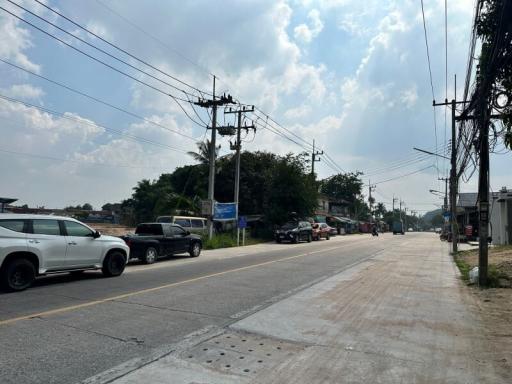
[
  {"x": 398, "y": 227},
  {"x": 36, "y": 245},
  {"x": 410, "y": 230},
  {"x": 321, "y": 230},
  {"x": 154, "y": 240},
  {"x": 294, "y": 231},
  {"x": 189, "y": 223}
]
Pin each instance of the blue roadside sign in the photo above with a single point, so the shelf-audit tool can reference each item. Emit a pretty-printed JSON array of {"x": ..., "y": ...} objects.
[
  {"x": 224, "y": 211},
  {"x": 242, "y": 222}
]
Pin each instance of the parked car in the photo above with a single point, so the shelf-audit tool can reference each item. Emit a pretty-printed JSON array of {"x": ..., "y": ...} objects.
[
  {"x": 154, "y": 240},
  {"x": 189, "y": 223},
  {"x": 35, "y": 245},
  {"x": 321, "y": 230},
  {"x": 294, "y": 231}
]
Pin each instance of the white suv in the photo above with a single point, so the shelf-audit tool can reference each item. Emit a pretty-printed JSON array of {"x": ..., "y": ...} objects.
[{"x": 33, "y": 245}]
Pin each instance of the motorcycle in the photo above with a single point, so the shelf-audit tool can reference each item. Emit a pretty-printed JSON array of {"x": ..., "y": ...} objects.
[{"x": 375, "y": 232}]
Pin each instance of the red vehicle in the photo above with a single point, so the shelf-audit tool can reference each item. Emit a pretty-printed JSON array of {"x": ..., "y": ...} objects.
[{"x": 321, "y": 230}]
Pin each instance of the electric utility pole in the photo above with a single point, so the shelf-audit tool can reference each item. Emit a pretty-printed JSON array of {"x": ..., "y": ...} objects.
[
  {"x": 483, "y": 193},
  {"x": 213, "y": 103},
  {"x": 237, "y": 147},
  {"x": 453, "y": 172},
  {"x": 394, "y": 199},
  {"x": 371, "y": 188},
  {"x": 314, "y": 158},
  {"x": 445, "y": 179}
]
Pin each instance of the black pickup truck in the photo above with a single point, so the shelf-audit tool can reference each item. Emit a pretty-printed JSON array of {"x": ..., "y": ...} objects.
[{"x": 154, "y": 240}]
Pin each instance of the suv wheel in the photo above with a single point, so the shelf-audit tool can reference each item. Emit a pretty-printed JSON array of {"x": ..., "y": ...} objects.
[
  {"x": 195, "y": 249},
  {"x": 18, "y": 275},
  {"x": 150, "y": 256},
  {"x": 114, "y": 264}
]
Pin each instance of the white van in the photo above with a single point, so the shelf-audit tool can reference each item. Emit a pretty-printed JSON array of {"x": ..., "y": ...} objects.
[{"x": 193, "y": 224}]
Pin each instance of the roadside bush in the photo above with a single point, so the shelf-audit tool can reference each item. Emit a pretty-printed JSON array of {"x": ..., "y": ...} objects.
[{"x": 227, "y": 240}]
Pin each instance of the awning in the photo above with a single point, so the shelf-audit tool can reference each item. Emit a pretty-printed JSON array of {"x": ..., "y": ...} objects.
[{"x": 342, "y": 219}]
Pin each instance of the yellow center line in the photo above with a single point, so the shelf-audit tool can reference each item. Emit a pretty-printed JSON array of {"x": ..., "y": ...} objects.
[{"x": 129, "y": 294}]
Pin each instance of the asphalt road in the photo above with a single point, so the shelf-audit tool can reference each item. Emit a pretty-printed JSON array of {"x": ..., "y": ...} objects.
[{"x": 66, "y": 329}]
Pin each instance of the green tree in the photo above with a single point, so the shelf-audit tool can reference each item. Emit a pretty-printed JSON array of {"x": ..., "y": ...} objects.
[
  {"x": 347, "y": 187},
  {"x": 203, "y": 152},
  {"x": 87, "y": 207},
  {"x": 290, "y": 189},
  {"x": 380, "y": 210},
  {"x": 494, "y": 27}
]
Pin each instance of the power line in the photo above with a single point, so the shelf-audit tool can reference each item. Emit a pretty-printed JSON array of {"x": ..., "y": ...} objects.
[
  {"x": 120, "y": 109},
  {"x": 286, "y": 129},
  {"x": 405, "y": 175},
  {"x": 107, "y": 65},
  {"x": 275, "y": 131},
  {"x": 430, "y": 75},
  {"x": 112, "y": 45},
  {"x": 53, "y": 158},
  {"x": 401, "y": 163},
  {"x": 159, "y": 41},
  {"x": 68, "y": 117}
]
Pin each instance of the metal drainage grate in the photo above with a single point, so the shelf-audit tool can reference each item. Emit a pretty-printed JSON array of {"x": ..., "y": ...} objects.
[{"x": 242, "y": 354}]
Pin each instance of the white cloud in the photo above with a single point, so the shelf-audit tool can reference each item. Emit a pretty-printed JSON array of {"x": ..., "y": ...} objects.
[
  {"x": 15, "y": 42},
  {"x": 305, "y": 33},
  {"x": 99, "y": 29},
  {"x": 409, "y": 96},
  {"x": 24, "y": 92}
]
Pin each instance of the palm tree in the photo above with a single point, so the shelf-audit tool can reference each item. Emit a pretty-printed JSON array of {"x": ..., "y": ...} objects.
[{"x": 203, "y": 154}]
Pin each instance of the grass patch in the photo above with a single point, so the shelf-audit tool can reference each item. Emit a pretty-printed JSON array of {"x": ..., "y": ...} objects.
[
  {"x": 500, "y": 264},
  {"x": 227, "y": 240},
  {"x": 463, "y": 266}
]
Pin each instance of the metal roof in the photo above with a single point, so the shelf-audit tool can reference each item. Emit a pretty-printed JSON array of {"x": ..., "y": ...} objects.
[{"x": 7, "y": 200}]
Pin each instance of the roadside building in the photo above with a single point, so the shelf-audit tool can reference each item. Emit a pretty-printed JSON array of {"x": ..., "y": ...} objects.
[
  {"x": 467, "y": 216},
  {"x": 500, "y": 224},
  {"x": 501, "y": 217}
]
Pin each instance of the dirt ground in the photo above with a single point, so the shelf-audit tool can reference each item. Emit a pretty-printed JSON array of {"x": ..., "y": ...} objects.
[
  {"x": 495, "y": 307},
  {"x": 112, "y": 229},
  {"x": 500, "y": 257}
]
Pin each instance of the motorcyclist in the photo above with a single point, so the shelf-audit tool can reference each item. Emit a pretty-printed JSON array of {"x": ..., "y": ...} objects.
[{"x": 374, "y": 231}]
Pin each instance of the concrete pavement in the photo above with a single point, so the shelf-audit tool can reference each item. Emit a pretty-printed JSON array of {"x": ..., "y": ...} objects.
[
  {"x": 400, "y": 317},
  {"x": 66, "y": 329}
]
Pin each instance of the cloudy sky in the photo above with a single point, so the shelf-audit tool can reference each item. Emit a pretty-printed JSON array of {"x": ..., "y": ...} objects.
[{"x": 352, "y": 75}]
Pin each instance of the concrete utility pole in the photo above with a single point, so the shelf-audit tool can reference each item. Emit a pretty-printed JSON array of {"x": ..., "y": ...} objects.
[
  {"x": 445, "y": 179},
  {"x": 370, "y": 189},
  {"x": 213, "y": 103},
  {"x": 453, "y": 174},
  {"x": 394, "y": 199},
  {"x": 483, "y": 193},
  {"x": 314, "y": 155},
  {"x": 211, "y": 172},
  {"x": 237, "y": 147}
]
